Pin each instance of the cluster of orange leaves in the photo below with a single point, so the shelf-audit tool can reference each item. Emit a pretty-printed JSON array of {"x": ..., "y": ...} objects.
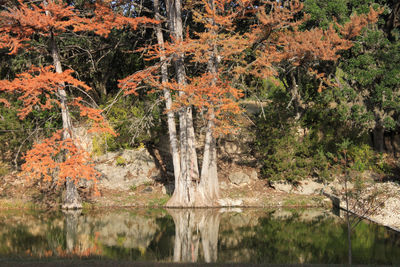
[
  {"x": 36, "y": 89},
  {"x": 20, "y": 22},
  {"x": 280, "y": 39},
  {"x": 37, "y": 86},
  {"x": 206, "y": 92},
  {"x": 61, "y": 158}
]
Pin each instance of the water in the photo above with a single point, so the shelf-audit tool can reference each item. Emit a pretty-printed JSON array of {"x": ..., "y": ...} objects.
[{"x": 244, "y": 236}]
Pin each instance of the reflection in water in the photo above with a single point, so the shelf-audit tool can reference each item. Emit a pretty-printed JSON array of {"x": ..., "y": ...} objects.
[
  {"x": 203, "y": 235},
  {"x": 188, "y": 225},
  {"x": 71, "y": 224}
]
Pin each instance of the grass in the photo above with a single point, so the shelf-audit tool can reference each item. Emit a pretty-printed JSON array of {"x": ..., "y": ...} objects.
[
  {"x": 159, "y": 202},
  {"x": 87, "y": 206},
  {"x": 303, "y": 201},
  {"x": 7, "y": 204}
]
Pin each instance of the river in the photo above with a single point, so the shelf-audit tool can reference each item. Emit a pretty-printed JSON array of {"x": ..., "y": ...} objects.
[{"x": 280, "y": 236}]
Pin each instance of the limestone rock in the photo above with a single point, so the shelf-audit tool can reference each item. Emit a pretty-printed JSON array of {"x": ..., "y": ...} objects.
[
  {"x": 305, "y": 187},
  {"x": 309, "y": 187},
  {"x": 282, "y": 186},
  {"x": 239, "y": 178},
  {"x": 122, "y": 170},
  {"x": 253, "y": 175},
  {"x": 229, "y": 202}
]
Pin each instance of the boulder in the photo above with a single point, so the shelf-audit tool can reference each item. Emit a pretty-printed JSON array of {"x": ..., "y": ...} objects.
[
  {"x": 239, "y": 178},
  {"x": 304, "y": 187},
  {"x": 309, "y": 187},
  {"x": 282, "y": 186}
]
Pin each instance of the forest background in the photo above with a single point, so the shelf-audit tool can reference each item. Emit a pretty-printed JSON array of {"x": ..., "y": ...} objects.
[{"x": 349, "y": 98}]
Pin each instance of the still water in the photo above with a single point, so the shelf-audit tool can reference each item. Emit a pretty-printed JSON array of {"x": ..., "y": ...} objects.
[{"x": 245, "y": 236}]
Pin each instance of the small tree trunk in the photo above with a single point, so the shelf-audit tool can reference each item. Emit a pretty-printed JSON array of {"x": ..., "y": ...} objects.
[
  {"x": 296, "y": 99},
  {"x": 378, "y": 135},
  {"x": 72, "y": 199}
]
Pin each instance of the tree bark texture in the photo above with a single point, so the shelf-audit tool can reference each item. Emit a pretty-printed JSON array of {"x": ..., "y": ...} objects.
[
  {"x": 168, "y": 99},
  {"x": 185, "y": 187},
  {"x": 209, "y": 174},
  {"x": 71, "y": 199},
  {"x": 189, "y": 191}
]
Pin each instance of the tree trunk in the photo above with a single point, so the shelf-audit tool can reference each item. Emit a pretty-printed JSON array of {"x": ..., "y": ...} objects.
[
  {"x": 72, "y": 199},
  {"x": 296, "y": 98},
  {"x": 168, "y": 99},
  {"x": 209, "y": 186},
  {"x": 378, "y": 136},
  {"x": 184, "y": 187}
]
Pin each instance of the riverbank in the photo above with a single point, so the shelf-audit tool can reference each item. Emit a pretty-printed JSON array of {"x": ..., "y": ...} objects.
[
  {"x": 380, "y": 202},
  {"x": 16, "y": 192}
]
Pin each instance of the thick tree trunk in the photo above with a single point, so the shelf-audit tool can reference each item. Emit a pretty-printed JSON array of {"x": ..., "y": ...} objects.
[
  {"x": 378, "y": 135},
  {"x": 72, "y": 199},
  {"x": 209, "y": 186},
  {"x": 184, "y": 193}
]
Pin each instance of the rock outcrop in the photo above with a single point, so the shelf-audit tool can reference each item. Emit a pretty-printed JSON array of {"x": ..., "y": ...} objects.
[{"x": 126, "y": 169}]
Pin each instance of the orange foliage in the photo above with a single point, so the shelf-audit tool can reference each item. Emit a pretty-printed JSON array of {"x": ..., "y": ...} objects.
[
  {"x": 206, "y": 91},
  {"x": 280, "y": 39},
  {"x": 5, "y": 102},
  {"x": 19, "y": 23},
  {"x": 37, "y": 85},
  {"x": 43, "y": 161},
  {"x": 37, "y": 89},
  {"x": 275, "y": 38},
  {"x": 104, "y": 19},
  {"x": 98, "y": 124}
]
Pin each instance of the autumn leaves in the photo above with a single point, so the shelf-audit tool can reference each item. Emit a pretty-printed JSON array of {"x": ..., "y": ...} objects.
[{"x": 226, "y": 42}]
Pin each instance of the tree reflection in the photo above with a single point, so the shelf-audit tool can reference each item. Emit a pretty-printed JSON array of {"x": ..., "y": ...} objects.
[
  {"x": 71, "y": 218},
  {"x": 191, "y": 226},
  {"x": 248, "y": 236}
]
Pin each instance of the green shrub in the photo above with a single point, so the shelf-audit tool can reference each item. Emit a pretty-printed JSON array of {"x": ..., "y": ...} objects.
[
  {"x": 135, "y": 120},
  {"x": 362, "y": 157}
]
